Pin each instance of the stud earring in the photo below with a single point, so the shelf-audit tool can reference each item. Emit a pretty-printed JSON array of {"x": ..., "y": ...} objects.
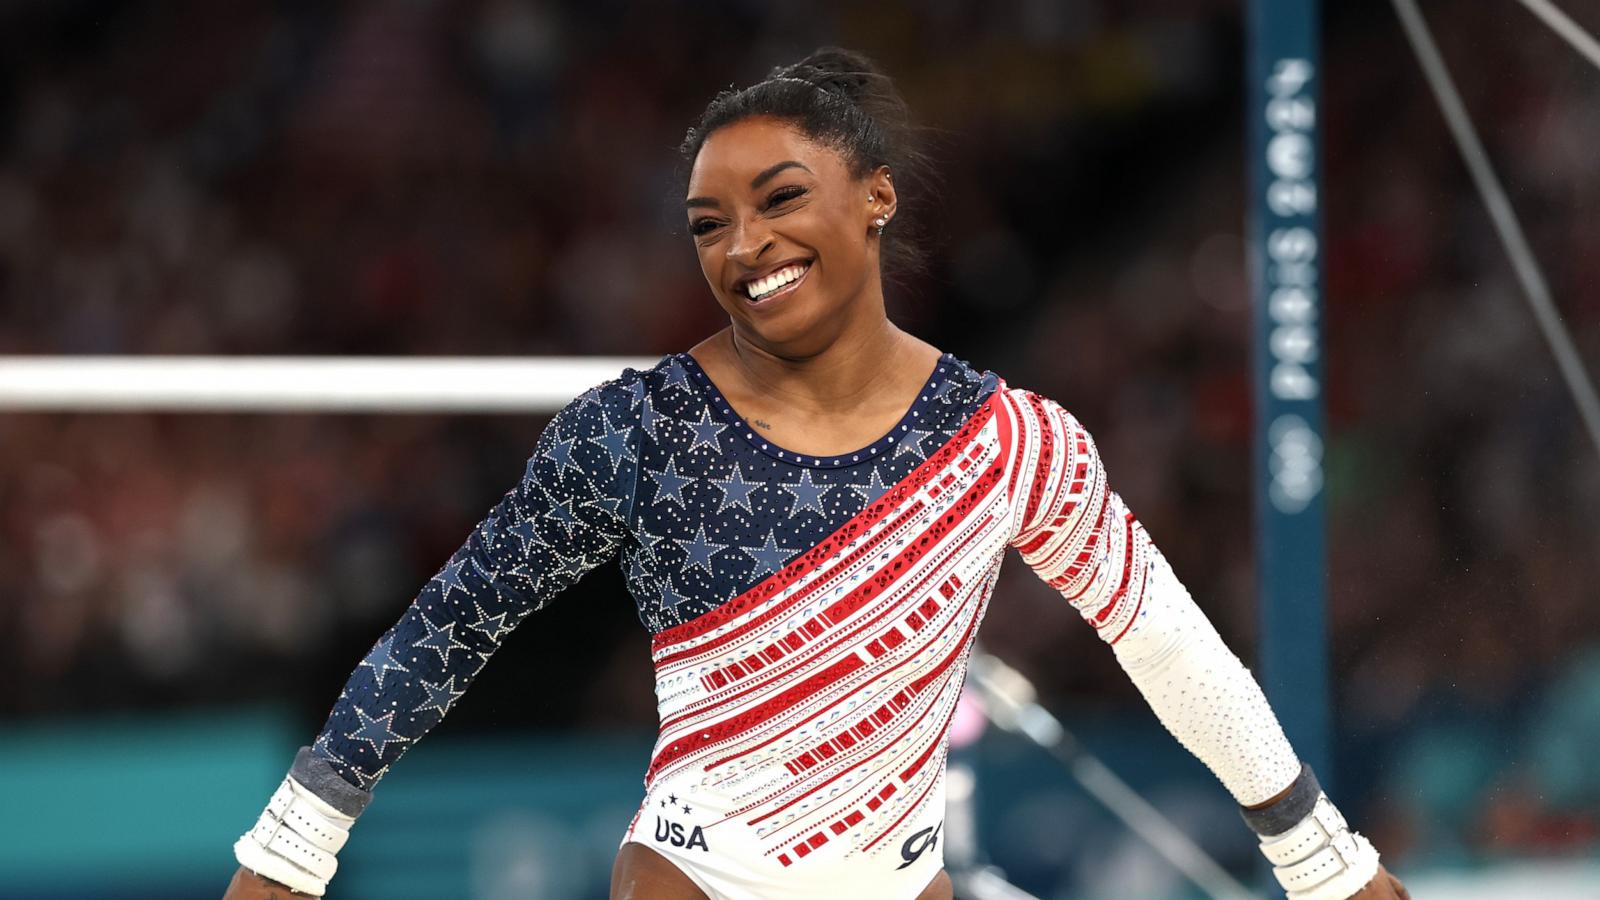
[{"x": 880, "y": 222}]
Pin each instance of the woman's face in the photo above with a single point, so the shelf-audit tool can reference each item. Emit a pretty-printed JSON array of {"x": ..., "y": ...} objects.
[{"x": 785, "y": 234}]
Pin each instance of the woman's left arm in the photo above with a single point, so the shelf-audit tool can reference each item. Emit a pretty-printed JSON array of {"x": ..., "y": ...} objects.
[{"x": 1077, "y": 534}]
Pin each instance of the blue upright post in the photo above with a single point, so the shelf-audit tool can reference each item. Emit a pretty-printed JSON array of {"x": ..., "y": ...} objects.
[{"x": 1286, "y": 275}]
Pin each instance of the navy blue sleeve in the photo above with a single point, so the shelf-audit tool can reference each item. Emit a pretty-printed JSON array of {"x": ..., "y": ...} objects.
[{"x": 569, "y": 514}]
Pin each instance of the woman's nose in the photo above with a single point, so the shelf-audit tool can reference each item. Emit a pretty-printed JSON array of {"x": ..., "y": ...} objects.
[{"x": 750, "y": 240}]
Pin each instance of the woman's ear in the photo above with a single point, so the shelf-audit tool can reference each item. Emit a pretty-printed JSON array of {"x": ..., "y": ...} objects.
[{"x": 881, "y": 199}]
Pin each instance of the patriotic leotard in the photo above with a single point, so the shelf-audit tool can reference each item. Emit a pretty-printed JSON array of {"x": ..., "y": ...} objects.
[{"x": 811, "y": 617}]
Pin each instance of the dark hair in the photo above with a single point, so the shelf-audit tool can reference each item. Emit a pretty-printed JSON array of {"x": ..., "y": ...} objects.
[{"x": 839, "y": 99}]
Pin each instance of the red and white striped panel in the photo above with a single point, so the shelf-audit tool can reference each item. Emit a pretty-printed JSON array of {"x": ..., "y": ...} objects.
[
  {"x": 814, "y": 707},
  {"x": 1074, "y": 530}
]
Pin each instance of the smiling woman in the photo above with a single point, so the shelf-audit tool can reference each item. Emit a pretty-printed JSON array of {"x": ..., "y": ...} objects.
[
  {"x": 791, "y": 188},
  {"x": 812, "y": 507}
]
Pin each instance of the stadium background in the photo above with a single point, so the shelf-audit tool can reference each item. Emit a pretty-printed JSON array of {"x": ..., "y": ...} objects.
[{"x": 181, "y": 595}]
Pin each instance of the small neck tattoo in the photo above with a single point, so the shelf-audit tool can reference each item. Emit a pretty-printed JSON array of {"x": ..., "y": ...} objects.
[{"x": 761, "y": 424}]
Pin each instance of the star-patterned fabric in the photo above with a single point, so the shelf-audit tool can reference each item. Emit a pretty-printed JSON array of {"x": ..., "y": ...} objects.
[
  {"x": 811, "y": 616},
  {"x": 654, "y": 468}
]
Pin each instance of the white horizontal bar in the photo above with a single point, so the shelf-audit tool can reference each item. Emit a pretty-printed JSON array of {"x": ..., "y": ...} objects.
[{"x": 301, "y": 383}]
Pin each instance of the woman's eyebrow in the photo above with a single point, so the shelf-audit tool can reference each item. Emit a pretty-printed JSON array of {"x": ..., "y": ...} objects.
[
  {"x": 756, "y": 182},
  {"x": 774, "y": 169}
]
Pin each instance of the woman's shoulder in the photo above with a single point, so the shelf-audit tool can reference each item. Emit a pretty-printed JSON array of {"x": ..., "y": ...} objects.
[
  {"x": 995, "y": 384},
  {"x": 627, "y": 391},
  {"x": 957, "y": 375},
  {"x": 1029, "y": 402},
  {"x": 637, "y": 401},
  {"x": 966, "y": 371}
]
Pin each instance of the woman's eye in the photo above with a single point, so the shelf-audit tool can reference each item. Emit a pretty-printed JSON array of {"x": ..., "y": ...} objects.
[
  {"x": 784, "y": 195},
  {"x": 702, "y": 226}
]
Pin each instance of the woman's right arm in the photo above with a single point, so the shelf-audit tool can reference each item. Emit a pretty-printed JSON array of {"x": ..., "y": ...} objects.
[{"x": 568, "y": 514}]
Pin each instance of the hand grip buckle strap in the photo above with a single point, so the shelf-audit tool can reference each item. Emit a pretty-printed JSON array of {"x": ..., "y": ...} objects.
[
  {"x": 1315, "y": 855},
  {"x": 295, "y": 840}
]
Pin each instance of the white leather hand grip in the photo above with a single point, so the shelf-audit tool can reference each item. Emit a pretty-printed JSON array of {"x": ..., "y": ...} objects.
[
  {"x": 1320, "y": 858},
  {"x": 295, "y": 840}
]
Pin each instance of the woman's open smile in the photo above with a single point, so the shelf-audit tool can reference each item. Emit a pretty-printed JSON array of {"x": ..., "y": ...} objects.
[{"x": 762, "y": 291}]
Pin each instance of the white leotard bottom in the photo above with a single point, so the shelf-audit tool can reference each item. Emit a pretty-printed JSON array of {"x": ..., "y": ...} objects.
[{"x": 726, "y": 861}]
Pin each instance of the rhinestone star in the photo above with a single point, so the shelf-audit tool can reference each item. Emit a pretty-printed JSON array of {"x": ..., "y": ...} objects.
[
  {"x": 450, "y": 577},
  {"x": 736, "y": 491},
  {"x": 873, "y": 489},
  {"x": 649, "y": 419},
  {"x": 677, "y": 375},
  {"x": 769, "y": 557},
  {"x": 441, "y": 640},
  {"x": 807, "y": 494},
  {"x": 562, "y": 512},
  {"x": 495, "y": 626},
  {"x": 567, "y": 567},
  {"x": 670, "y": 599},
  {"x": 561, "y": 453},
  {"x": 440, "y": 696},
  {"x": 381, "y": 660},
  {"x": 700, "y": 551},
  {"x": 376, "y": 731},
  {"x": 705, "y": 431},
  {"x": 526, "y": 533},
  {"x": 669, "y": 484},
  {"x": 615, "y": 444}
]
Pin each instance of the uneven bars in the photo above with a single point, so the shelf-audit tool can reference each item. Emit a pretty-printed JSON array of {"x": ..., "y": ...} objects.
[
  {"x": 1562, "y": 24},
  {"x": 1009, "y": 702},
  {"x": 1523, "y": 262},
  {"x": 301, "y": 384}
]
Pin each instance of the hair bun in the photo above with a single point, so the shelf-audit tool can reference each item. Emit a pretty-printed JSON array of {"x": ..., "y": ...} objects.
[{"x": 835, "y": 70}]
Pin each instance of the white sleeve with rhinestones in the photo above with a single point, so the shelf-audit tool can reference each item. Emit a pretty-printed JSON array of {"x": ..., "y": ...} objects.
[
  {"x": 1077, "y": 534},
  {"x": 1202, "y": 693}
]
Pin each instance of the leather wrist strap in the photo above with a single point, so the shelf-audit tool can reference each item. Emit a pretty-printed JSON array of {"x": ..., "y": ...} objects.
[
  {"x": 295, "y": 840},
  {"x": 1319, "y": 857}
]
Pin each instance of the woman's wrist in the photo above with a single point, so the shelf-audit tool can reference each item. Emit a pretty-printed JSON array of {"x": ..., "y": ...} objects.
[
  {"x": 297, "y": 838},
  {"x": 1314, "y": 854}
]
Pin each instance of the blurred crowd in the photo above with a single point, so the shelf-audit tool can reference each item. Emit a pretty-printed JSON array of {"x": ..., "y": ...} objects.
[{"x": 500, "y": 177}]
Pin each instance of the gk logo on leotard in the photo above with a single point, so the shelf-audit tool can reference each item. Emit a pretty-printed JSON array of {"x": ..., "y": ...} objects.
[
  {"x": 918, "y": 844},
  {"x": 672, "y": 833}
]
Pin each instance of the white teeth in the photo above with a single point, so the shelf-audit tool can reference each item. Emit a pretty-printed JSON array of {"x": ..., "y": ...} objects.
[{"x": 761, "y": 286}]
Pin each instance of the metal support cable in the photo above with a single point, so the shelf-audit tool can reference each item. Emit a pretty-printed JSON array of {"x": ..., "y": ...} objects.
[
  {"x": 1562, "y": 24},
  {"x": 1535, "y": 289},
  {"x": 1008, "y": 700}
]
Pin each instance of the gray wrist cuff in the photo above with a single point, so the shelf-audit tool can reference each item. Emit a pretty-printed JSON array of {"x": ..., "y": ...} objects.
[
  {"x": 316, "y": 775},
  {"x": 1278, "y": 818}
]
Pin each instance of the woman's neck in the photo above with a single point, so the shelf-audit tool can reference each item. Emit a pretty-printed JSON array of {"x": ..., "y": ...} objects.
[{"x": 856, "y": 366}]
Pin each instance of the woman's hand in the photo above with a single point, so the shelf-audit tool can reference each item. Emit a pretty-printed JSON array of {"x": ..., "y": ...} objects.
[
  {"x": 1383, "y": 886},
  {"x": 247, "y": 885}
]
